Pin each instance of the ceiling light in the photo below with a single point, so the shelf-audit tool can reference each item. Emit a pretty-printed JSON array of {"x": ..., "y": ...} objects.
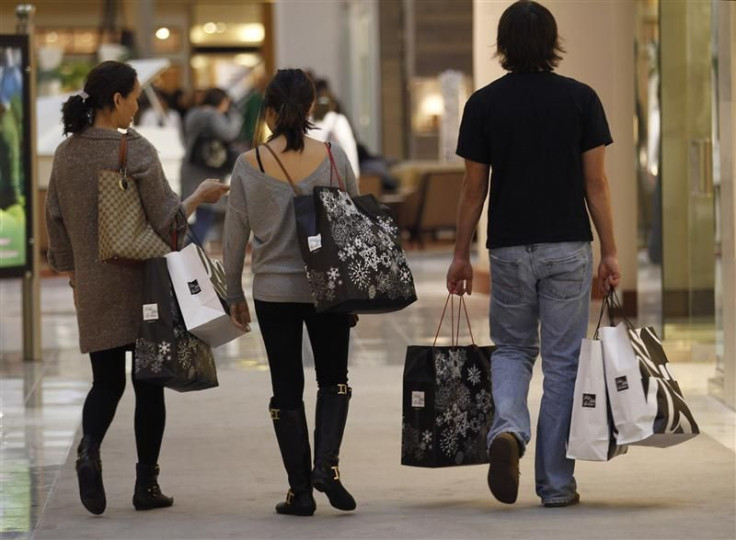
[
  {"x": 209, "y": 28},
  {"x": 163, "y": 33},
  {"x": 252, "y": 33}
]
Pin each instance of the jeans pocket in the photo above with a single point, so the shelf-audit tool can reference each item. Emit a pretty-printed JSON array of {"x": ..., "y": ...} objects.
[
  {"x": 564, "y": 278},
  {"x": 505, "y": 281}
]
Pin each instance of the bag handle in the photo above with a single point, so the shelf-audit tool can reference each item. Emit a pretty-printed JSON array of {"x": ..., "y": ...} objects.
[
  {"x": 455, "y": 330},
  {"x": 334, "y": 167},
  {"x": 609, "y": 304},
  {"x": 123, "y": 155}
]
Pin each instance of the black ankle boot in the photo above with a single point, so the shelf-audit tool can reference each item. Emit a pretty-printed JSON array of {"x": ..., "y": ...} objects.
[
  {"x": 147, "y": 495},
  {"x": 293, "y": 438},
  {"x": 89, "y": 475},
  {"x": 331, "y": 415}
]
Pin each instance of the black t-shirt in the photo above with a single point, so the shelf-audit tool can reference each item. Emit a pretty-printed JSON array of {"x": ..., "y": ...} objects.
[{"x": 532, "y": 129}]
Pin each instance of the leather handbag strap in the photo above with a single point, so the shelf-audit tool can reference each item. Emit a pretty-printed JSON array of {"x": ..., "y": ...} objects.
[
  {"x": 123, "y": 155},
  {"x": 286, "y": 173}
]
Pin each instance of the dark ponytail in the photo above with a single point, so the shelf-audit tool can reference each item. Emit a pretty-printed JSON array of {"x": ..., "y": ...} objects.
[
  {"x": 100, "y": 87},
  {"x": 290, "y": 94}
]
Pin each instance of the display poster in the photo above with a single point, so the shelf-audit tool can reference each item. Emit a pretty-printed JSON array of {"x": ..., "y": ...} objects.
[{"x": 15, "y": 157}]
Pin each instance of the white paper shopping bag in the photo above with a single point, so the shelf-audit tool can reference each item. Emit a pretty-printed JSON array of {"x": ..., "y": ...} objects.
[
  {"x": 633, "y": 411},
  {"x": 590, "y": 432},
  {"x": 201, "y": 307}
]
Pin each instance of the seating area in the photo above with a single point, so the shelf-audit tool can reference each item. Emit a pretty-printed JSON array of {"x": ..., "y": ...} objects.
[{"x": 427, "y": 200}]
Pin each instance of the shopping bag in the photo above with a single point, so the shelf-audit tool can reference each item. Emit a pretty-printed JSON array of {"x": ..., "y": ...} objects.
[
  {"x": 165, "y": 352},
  {"x": 592, "y": 433},
  {"x": 351, "y": 249},
  {"x": 196, "y": 279},
  {"x": 447, "y": 404},
  {"x": 646, "y": 401}
]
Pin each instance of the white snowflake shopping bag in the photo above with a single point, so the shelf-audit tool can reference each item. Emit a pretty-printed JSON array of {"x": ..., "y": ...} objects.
[{"x": 447, "y": 405}]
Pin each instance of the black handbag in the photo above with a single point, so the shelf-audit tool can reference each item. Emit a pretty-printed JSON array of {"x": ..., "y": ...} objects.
[
  {"x": 166, "y": 353},
  {"x": 351, "y": 249},
  {"x": 447, "y": 405},
  {"x": 213, "y": 154}
]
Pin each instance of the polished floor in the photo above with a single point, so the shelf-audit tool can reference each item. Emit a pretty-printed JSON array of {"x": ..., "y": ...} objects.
[{"x": 40, "y": 412}]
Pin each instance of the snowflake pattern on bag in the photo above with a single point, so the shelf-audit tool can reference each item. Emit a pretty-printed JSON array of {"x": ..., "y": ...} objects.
[
  {"x": 463, "y": 412},
  {"x": 372, "y": 260},
  {"x": 187, "y": 359}
]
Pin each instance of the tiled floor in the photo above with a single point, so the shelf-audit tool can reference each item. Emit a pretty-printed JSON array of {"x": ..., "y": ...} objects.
[{"x": 40, "y": 404}]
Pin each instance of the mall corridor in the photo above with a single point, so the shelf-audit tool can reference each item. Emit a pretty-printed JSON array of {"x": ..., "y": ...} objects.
[{"x": 221, "y": 463}]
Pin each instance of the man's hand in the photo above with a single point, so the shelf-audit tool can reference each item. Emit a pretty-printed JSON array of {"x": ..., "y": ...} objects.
[
  {"x": 240, "y": 315},
  {"x": 609, "y": 274},
  {"x": 460, "y": 277}
]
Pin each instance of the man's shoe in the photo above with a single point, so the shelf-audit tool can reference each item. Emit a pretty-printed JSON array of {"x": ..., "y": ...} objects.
[
  {"x": 503, "y": 473},
  {"x": 575, "y": 500}
]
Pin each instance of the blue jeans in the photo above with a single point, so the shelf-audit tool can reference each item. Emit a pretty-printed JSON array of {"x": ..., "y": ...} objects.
[
  {"x": 205, "y": 218},
  {"x": 547, "y": 284}
]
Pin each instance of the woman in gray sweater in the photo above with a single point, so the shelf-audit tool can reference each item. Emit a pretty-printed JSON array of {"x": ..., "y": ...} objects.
[
  {"x": 261, "y": 202},
  {"x": 108, "y": 297}
]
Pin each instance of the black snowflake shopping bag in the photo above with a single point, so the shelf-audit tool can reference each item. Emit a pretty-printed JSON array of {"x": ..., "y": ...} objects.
[
  {"x": 352, "y": 251},
  {"x": 166, "y": 353},
  {"x": 447, "y": 405}
]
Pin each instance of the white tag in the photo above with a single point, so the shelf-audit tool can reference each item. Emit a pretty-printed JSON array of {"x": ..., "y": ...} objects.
[
  {"x": 417, "y": 400},
  {"x": 150, "y": 312},
  {"x": 315, "y": 242}
]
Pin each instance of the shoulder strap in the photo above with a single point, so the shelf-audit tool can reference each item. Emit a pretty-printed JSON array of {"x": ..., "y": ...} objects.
[
  {"x": 278, "y": 161},
  {"x": 123, "y": 154},
  {"x": 258, "y": 158},
  {"x": 334, "y": 167}
]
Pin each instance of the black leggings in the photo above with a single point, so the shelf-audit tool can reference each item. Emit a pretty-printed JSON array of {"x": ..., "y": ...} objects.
[
  {"x": 108, "y": 369},
  {"x": 281, "y": 326}
]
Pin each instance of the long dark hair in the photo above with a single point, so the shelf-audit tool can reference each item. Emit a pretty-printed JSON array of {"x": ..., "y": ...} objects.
[
  {"x": 527, "y": 38},
  {"x": 290, "y": 94},
  {"x": 102, "y": 83}
]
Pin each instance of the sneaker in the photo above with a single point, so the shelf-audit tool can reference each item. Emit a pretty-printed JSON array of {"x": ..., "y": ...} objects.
[
  {"x": 503, "y": 473},
  {"x": 575, "y": 500}
]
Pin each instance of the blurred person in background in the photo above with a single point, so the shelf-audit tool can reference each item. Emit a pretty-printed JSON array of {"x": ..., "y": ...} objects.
[
  {"x": 108, "y": 297},
  {"x": 330, "y": 124},
  {"x": 209, "y": 128}
]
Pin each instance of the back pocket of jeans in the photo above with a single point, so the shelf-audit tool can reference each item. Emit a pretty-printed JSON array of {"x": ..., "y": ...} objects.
[
  {"x": 564, "y": 277},
  {"x": 505, "y": 281}
]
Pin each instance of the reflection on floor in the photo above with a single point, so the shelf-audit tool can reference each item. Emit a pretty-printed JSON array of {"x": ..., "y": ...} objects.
[{"x": 40, "y": 403}]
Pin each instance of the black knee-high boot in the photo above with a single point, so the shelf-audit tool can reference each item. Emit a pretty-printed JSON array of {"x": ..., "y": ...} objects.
[
  {"x": 293, "y": 438},
  {"x": 331, "y": 415}
]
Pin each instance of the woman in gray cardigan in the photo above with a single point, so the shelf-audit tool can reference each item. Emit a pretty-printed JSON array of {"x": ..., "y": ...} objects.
[
  {"x": 213, "y": 120},
  {"x": 108, "y": 297}
]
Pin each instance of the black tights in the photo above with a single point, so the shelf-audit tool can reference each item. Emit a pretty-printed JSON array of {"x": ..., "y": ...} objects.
[
  {"x": 108, "y": 369},
  {"x": 281, "y": 326}
]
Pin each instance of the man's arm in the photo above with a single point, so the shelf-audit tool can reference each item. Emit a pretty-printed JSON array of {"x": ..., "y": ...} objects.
[
  {"x": 470, "y": 208},
  {"x": 598, "y": 198}
]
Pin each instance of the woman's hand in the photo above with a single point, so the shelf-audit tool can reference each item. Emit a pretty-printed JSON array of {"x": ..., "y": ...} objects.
[
  {"x": 211, "y": 190},
  {"x": 240, "y": 316}
]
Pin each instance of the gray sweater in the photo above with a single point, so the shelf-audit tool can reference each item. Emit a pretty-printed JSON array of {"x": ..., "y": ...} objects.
[{"x": 264, "y": 205}]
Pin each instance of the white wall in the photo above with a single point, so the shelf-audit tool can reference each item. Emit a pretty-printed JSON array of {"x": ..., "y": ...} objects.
[
  {"x": 310, "y": 35},
  {"x": 599, "y": 40}
]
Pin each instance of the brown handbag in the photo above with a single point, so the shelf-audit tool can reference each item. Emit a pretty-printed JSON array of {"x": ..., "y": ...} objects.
[{"x": 125, "y": 235}]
